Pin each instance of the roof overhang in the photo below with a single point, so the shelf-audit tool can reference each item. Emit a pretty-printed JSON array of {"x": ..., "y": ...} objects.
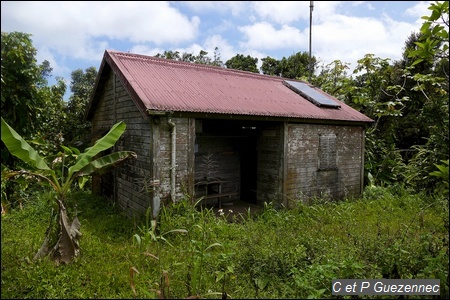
[{"x": 199, "y": 115}]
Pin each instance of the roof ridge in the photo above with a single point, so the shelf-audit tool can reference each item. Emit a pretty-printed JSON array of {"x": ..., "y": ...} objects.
[{"x": 198, "y": 66}]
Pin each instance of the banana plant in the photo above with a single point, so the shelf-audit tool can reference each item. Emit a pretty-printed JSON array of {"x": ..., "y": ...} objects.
[{"x": 61, "y": 240}]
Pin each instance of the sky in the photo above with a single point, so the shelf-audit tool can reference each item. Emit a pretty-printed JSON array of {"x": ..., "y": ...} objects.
[{"x": 74, "y": 35}]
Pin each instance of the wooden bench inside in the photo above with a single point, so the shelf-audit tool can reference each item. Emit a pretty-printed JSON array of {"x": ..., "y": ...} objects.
[
  {"x": 221, "y": 195},
  {"x": 218, "y": 196}
]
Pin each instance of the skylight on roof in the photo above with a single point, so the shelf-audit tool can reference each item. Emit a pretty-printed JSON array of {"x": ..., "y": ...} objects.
[{"x": 311, "y": 94}]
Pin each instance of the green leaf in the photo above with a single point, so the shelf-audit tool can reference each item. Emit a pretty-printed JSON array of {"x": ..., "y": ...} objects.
[
  {"x": 100, "y": 145},
  {"x": 425, "y": 26},
  {"x": 213, "y": 245},
  {"x": 435, "y": 15},
  {"x": 177, "y": 231},
  {"x": 82, "y": 181},
  {"x": 436, "y": 29},
  {"x": 138, "y": 239},
  {"x": 167, "y": 242},
  {"x": 220, "y": 276},
  {"x": 67, "y": 150},
  {"x": 103, "y": 163},
  {"x": 417, "y": 61},
  {"x": 20, "y": 148}
]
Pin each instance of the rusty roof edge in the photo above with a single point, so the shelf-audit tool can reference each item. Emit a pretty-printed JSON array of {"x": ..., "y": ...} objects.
[
  {"x": 109, "y": 61},
  {"x": 289, "y": 119},
  {"x": 134, "y": 90},
  {"x": 92, "y": 99}
]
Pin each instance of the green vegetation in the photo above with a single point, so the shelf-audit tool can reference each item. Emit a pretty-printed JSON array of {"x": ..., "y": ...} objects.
[
  {"x": 62, "y": 235},
  {"x": 388, "y": 233},
  {"x": 398, "y": 229}
]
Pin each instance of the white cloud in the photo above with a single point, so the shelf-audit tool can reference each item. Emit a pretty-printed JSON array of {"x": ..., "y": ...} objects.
[
  {"x": 82, "y": 28},
  {"x": 349, "y": 38},
  {"x": 236, "y": 8},
  {"x": 324, "y": 10},
  {"x": 225, "y": 50},
  {"x": 282, "y": 12},
  {"x": 420, "y": 9},
  {"x": 264, "y": 36}
]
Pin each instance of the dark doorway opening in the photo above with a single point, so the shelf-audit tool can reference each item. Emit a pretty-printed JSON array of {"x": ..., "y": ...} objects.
[
  {"x": 233, "y": 145},
  {"x": 248, "y": 164}
]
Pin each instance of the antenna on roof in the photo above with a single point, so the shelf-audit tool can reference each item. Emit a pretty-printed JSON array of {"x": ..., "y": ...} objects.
[{"x": 311, "y": 7}]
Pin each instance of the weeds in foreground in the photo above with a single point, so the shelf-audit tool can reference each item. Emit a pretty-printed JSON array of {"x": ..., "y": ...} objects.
[
  {"x": 195, "y": 252},
  {"x": 293, "y": 253},
  {"x": 147, "y": 236}
]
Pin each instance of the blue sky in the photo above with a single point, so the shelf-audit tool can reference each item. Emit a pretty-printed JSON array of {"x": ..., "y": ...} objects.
[{"x": 73, "y": 35}]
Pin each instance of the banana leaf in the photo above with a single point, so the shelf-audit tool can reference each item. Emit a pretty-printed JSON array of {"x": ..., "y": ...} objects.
[
  {"x": 102, "y": 164},
  {"x": 18, "y": 147},
  {"x": 100, "y": 145}
]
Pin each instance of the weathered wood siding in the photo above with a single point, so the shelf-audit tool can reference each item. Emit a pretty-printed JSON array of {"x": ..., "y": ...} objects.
[
  {"x": 125, "y": 184},
  {"x": 184, "y": 158},
  {"x": 270, "y": 164},
  {"x": 304, "y": 177},
  {"x": 133, "y": 184}
]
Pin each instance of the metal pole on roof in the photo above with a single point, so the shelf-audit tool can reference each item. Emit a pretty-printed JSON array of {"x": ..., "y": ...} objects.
[{"x": 311, "y": 7}]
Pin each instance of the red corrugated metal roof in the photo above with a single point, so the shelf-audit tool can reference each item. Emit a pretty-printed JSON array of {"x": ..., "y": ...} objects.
[{"x": 169, "y": 85}]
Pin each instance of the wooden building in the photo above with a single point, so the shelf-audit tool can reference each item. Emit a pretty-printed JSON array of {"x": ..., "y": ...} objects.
[{"x": 200, "y": 130}]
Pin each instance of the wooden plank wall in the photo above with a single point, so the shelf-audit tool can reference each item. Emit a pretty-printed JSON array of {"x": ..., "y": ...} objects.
[
  {"x": 270, "y": 163},
  {"x": 304, "y": 179},
  {"x": 223, "y": 151},
  {"x": 125, "y": 183}
]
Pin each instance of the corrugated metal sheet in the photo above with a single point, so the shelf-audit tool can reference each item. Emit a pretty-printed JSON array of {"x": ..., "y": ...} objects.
[{"x": 170, "y": 85}]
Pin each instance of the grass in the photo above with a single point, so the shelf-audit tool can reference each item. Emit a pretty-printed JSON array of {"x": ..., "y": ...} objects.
[{"x": 388, "y": 233}]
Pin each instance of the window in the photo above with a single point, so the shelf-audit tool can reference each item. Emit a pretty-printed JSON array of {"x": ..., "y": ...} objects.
[{"x": 327, "y": 151}]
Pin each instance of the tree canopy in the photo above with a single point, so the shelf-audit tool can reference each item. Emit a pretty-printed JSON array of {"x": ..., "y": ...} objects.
[{"x": 244, "y": 63}]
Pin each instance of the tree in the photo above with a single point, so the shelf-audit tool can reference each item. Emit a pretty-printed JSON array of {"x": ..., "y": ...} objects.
[
  {"x": 432, "y": 49},
  {"x": 201, "y": 58},
  {"x": 333, "y": 79},
  {"x": 376, "y": 97},
  {"x": 62, "y": 236},
  {"x": 169, "y": 55},
  {"x": 433, "y": 44},
  {"x": 35, "y": 109},
  {"x": 270, "y": 66},
  {"x": 19, "y": 76},
  {"x": 217, "y": 61},
  {"x": 297, "y": 65},
  {"x": 412, "y": 127},
  {"x": 77, "y": 130},
  {"x": 409, "y": 101},
  {"x": 244, "y": 63},
  {"x": 25, "y": 96}
]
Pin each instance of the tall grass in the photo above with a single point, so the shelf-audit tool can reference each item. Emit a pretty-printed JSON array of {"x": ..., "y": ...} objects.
[{"x": 388, "y": 233}]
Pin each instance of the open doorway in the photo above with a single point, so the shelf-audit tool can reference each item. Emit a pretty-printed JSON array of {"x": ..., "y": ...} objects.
[
  {"x": 248, "y": 155},
  {"x": 232, "y": 145},
  {"x": 248, "y": 164}
]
